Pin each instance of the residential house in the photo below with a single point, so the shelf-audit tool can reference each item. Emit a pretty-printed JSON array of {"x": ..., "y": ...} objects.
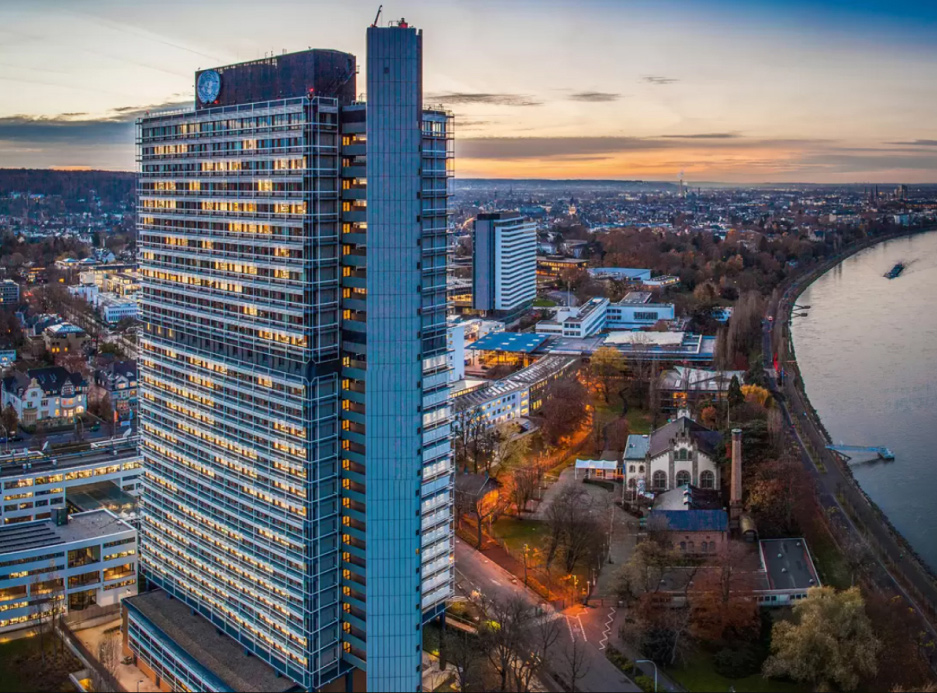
[
  {"x": 51, "y": 395},
  {"x": 118, "y": 380}
]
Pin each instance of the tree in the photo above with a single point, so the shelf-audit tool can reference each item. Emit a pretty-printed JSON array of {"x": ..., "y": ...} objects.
[
  {"x": 577, "y": 664},
  {"x": 503, "y": 633},
  {"x": 829, "y": 642},
  {"x": 539, "y": 638},
  {"x": 509, "y": 448},
  {"x": 723, "y": 599},
  {"x": 563, "y": 410},
  {"x": 523, "y": 485},
  {"x": 734, "y": 395},
  {"x": 607, "y": 366},
  {"x": 10, "y": 420},
  {"x": 108, "y": 658},
  {"x": 464, "y": 652}
]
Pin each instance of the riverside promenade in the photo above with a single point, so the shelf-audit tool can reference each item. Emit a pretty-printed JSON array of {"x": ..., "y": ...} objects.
[{"x": 895, "y": 568}]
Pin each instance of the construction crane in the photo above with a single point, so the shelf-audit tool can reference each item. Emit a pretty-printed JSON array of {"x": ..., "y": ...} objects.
[{"x": 377, "y": 17}]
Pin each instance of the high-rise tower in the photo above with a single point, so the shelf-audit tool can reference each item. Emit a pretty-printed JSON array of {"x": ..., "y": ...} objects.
[{"x": 295, "y": 419}]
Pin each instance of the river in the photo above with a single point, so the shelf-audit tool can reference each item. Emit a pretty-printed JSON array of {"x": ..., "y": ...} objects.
[{"x": 867, "y": 350}]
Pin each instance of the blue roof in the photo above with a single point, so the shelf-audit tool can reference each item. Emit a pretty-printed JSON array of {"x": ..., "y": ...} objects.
[
  {"x": 694, "y": 520},
  {"x": 637, "y": 447},
  {"x": 517, "y": 342}
]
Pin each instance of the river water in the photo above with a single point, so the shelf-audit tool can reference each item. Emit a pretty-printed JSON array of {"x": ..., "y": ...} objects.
[{"x": 867, "y": 350}]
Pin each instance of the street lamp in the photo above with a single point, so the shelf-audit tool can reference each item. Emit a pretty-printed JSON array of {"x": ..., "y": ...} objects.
[{"x": 648, "y": 661}]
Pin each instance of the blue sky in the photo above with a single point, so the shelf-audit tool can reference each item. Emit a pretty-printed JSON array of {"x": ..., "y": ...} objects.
[{"x": 828, "y": 91}]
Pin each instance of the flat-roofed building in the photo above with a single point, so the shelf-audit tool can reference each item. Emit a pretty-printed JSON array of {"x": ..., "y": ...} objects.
[
  {"x": 577, "y": 322},
  {"x": 636, "y": 311},
  {"x": 77, "y": 561},
  {"x": 504, "y": 275},
  {"x": 35, "y": 484}
]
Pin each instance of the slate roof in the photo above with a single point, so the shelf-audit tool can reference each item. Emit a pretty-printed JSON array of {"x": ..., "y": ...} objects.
[
  {"x": 693, "y": 520},
  {"x": 50, "y": 379},
  {"x": 706, "y": 439}
]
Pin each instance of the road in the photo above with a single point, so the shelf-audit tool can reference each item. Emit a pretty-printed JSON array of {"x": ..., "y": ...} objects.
[
  {"x": 474, "y": 572},
  {"x": 831, "y": 481}
]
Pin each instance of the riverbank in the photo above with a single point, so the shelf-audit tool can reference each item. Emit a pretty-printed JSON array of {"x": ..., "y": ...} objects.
[{"x": 837, "y": 486}]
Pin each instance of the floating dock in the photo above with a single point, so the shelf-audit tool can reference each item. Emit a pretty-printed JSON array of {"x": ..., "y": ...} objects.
[{"x": 844, "y": 450}]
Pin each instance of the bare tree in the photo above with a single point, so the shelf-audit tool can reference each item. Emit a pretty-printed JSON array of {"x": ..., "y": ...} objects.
[
  {"x": 535, "y": 651},
  {"x": 503, "y": 635},
  {"x": 577, "y": 664},
  {"x": 108, "y": 658},
  {"x": 464, "y": 651},
  {"x": 524, "y": 482}
]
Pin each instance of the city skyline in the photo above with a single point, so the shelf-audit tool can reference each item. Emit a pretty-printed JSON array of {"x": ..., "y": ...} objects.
[{"x": 824, "y": 92}]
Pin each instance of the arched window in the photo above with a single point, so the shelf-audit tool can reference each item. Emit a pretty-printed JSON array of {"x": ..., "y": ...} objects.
[
  {"x": 631, "y": 468},
  {"x": 683, "y": 478},
  {"x": 707, "y": 479},
  {"x": 632, "y": 483},
  {"x": 641, "y": 469},
  {"x": 683, "y": 546},
  {"x": 659, "y": 480}
]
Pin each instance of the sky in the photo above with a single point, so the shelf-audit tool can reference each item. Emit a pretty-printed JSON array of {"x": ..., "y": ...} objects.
[{"x": 827, "y": 91}]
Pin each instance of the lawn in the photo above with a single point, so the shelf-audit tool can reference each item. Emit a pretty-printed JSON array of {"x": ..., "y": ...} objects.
[
  {"x": 831, "y": 565},
  {"x": 515, "y": 533},
  {"x": 698, "y": 675},
  {"x": 21, "y": 668},
  {"x": 544, "y": 303},
  {"x": 639, "y": 421}
]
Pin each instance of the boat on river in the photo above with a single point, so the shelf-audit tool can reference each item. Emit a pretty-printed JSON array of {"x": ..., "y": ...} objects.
[{"x": 895, "y": 271}]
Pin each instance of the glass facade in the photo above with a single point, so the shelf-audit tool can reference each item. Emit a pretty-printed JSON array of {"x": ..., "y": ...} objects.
[{"x": 294, "y": 390}]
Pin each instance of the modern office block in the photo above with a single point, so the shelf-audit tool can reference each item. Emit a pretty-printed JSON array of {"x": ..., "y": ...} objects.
[
  {"x": 51, "y": 567},
  {"x": 504, "y": 277},
  {"x": 294, "y": 379}
]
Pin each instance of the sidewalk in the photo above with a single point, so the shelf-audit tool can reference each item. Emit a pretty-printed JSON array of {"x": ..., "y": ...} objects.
[{"x": 128, "y": 675}]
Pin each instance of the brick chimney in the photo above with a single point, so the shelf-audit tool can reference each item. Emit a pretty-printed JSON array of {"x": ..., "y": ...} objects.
[{"x": 735, "y": 488}]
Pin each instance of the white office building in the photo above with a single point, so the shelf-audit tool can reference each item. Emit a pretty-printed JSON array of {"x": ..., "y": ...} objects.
[
  {"x": 70, "y": 564},
  {"x": 636, "y": 311},
  {"x": 504, "y": 275},
  {"x": 577, "y": 322}
]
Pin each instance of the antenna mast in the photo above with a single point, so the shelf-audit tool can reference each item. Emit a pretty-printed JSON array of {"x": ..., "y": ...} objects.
[{"x": 377, "y": 17}]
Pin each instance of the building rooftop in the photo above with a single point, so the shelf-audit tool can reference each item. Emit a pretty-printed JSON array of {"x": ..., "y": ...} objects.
[
  {"x": 662, "y": 439},
  {"x": 693, "y": 520},
  {"x": 651, "y": 339},
  {"x": 21, "y": 462},
  {"x": 635, "y": 297},
  {"x": 101, "y": 494},
  {"x": 689, "y": 498},
  {"x": 682, "y": 378},
  {"x": 80, "y": 527},
  {"x": 513, "y": 342},
  {"x": 788, "y": 564},
  {"x": 219, "y": 654},
  {"x": 637, "y": 447}
]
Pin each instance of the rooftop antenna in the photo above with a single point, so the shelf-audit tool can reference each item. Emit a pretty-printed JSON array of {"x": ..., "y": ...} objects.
[{"x": 377, "y": 17}]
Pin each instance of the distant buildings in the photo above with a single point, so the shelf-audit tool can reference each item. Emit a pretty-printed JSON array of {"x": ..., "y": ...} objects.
[
  {"x": 554, "y": 267},
  {"x": 682, "y": 387},
  {"x": 635, "y": 311},
  {"x": 65, "y": 338},
  {"x": 9, "y": 292},
  {"x": 504, "y": 276},
  {"x": 620, "y": 273},
  {"x": 78, "y": 561},
  {"x": 49, "y": 395}
]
